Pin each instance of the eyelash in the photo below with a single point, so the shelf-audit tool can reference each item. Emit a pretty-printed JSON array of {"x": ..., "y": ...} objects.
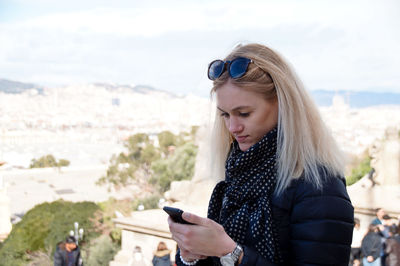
[
  {"x": 224, "y": 114},
  {"x": 240, "y": 114}
]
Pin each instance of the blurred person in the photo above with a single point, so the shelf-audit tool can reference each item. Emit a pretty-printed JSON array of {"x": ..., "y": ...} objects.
[
  {"x": 397, "y": 235},
  {"x": 356, "y": 263},
  {"x": 283, "y": 200},
  {"x": 68, "y": 253},
  {"x": 358, "y": 234},
  {"x": 379, "y": 216},
  {"x": 392, "y": 247},
  {"x": 387, "y": 222},
  {"x": 162, "y": 255},
  {"x": 137, "y": 258},
  {"x": 371, "y": 247}
]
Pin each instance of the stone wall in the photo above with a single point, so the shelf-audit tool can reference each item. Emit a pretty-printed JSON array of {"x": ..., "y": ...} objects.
[
  {"x": 382, "y": 189},
  {"x": 144, "y": 229}
]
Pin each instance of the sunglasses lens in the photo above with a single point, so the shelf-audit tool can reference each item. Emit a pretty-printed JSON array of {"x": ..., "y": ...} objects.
[
  {"x": 215, "y": 69},
  {"x": 238, "y": 67}
]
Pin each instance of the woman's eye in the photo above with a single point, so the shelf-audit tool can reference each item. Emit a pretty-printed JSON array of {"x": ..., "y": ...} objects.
[
  {"x": 244, "y": 114},
  {"x": 226, "y": 115}
]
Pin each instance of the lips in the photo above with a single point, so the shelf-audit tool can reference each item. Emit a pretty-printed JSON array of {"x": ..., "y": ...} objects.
[{"x": 241, "y": 139}]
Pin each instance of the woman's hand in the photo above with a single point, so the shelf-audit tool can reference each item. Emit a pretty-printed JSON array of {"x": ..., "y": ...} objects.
[
  {"x": 204, "y": 238},
  {"x": 370, "y": 259}
]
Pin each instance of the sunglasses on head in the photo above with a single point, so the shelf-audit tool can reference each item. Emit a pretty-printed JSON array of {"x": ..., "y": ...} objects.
[{"x": 236, "y": 68}]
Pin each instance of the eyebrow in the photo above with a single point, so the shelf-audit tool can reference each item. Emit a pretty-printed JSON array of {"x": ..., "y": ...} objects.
[{"x": 235, "y": 109}]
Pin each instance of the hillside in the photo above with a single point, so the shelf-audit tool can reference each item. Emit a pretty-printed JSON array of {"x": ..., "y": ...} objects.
[
  {"x": 355, "y": 99},
  {"x": 9, "y": 86}
]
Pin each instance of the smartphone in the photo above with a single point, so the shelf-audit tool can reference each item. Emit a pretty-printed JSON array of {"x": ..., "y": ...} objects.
[{"x": 175, "y": 214}]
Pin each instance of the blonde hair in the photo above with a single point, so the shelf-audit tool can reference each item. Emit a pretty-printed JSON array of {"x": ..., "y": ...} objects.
[
  {"x": 304, "y": 142},
  {"x": 161, "y": 246}
]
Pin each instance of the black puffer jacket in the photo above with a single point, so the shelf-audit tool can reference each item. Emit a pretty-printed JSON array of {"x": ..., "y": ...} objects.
[{"x": 315, "y": 227}]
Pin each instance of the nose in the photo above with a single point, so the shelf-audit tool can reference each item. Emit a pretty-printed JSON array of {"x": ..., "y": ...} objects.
[{"x": 234, "y": 125}]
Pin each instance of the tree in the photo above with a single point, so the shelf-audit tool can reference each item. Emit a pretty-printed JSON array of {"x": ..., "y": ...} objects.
[
  {"x": 179, "y": 166},
  {"x": 48, "y": 161},
  {"x": 43, "y": 227},
  {"x": 165, "y": 140},
  {"x": 363, "y": 168},
  {"x": 141, "y": 152},
  {"x": 102, "y": 251},
  {"x": 136, "y": 142},
  {"x": 143, "y": 157}
]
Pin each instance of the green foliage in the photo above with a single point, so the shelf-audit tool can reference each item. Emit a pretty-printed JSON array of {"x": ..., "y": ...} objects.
[
  {"x": 39, "y": 258},
  {"x": 103, "y": 217},
  {"x": 363, "y": 168},
  {"x": 116, "y": 235},
  {"x": 148, "y": 203},
  {"x": 179, "y": 166},
  {"x": 165, "y": 139},
  {"x": 159, "y": 165},
  {"x": 136, "y": 141},
  {"x": 122, "y": 169},
  {"x": 111, "y": 205},
  {"x": 63, "y": 162},
  {"x": 102, "y": 251},
  {"x": 193, "y": 131},
  {"x": 149, "y": 154},
  {"x": 43, "y": 227},
  {"x": 48, "y": 161}
]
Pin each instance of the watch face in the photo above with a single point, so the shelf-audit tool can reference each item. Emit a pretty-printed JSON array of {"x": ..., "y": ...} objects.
[{"x": 227, "y": 260}]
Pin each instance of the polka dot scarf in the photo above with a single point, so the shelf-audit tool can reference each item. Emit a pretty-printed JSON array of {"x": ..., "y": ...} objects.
[{"x": 241, "y": 203}]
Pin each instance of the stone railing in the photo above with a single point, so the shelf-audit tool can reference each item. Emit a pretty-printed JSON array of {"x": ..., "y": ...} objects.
[{"x": 144, "y": 229}]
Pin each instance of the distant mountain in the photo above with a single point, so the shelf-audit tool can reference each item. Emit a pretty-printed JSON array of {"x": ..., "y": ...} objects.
[
  {"x": 143, "y": 89},
  {"x": 14, "y": 87},
  {"x": 356, "y": 99},
  {"x": 9, "y": 86}
]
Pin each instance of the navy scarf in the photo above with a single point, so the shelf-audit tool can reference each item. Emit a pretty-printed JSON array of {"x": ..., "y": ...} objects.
[{"x": 242, "y": 202}]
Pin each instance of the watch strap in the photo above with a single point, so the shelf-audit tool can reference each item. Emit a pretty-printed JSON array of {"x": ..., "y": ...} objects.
[
  {"x": 235, "y": 254},
  {"x": 232, "y": 258}
]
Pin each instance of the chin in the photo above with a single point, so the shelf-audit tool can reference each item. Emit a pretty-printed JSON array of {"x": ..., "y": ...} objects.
[{"x": 244, "y": 147}]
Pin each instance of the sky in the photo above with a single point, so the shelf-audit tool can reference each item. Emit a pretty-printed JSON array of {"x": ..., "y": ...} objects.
[{"x": 333, "y": 45}]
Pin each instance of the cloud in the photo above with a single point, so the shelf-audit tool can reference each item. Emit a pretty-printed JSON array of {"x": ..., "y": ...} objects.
[
  {"x": 201, "y": 15},
  {"x": 345, "y": 45}
]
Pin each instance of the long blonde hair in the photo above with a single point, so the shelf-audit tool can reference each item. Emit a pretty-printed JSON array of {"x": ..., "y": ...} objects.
[{"x": 304, "y": 142}]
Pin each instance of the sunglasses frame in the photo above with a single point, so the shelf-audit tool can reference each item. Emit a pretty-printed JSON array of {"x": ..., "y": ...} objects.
[{"x": 227, "y": 66}]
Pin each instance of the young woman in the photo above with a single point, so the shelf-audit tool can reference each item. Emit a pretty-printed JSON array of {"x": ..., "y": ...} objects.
[
  {"x": 162, "y": 255},
  {"x": 283, "y": 200}
]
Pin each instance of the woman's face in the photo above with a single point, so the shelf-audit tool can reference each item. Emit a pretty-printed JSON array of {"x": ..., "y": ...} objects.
[{"x": 247, "y": 115}]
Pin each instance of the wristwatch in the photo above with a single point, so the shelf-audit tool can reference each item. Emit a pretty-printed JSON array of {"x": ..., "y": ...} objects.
[{"x": 230, "y": 259}]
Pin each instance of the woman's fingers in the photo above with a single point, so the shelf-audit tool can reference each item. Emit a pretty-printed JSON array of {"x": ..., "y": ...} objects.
[
  {"x": 205, "y": 237},
  {"x": 194, "y": 219},
  {"x": 181, "y": 233}
]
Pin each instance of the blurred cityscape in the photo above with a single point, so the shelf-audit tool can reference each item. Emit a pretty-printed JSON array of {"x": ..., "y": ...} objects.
[{"x": 87, "y": 124}]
